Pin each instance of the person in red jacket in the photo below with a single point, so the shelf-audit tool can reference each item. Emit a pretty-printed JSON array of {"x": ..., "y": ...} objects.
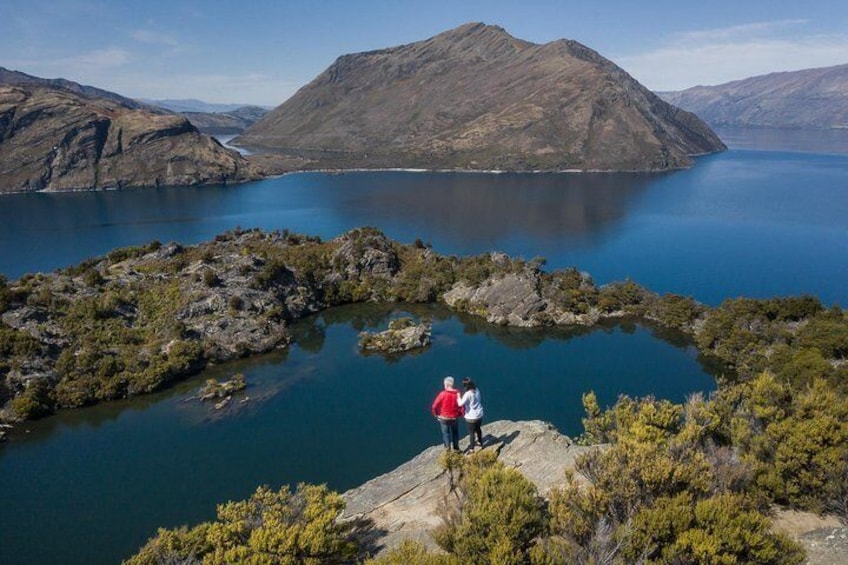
[{"x": 447, "y": 411}]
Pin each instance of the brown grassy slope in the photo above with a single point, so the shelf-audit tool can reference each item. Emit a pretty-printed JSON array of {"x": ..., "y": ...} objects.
[
  {"x": 476, "y": 97},
  {"x": 52, "y": 138}
]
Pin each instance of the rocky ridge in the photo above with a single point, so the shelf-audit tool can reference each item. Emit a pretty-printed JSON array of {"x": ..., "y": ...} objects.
[
  {"x": 810, "y": 98},
  {"x": 17, "y": 78},
  {"x": 477, "y": 98},
  {"x": 57, "y": 136},
  {"x": 140, "y": 318}
]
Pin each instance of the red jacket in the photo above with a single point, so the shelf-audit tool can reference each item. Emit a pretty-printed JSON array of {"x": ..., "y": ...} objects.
[{"x": 445, "y": 405}]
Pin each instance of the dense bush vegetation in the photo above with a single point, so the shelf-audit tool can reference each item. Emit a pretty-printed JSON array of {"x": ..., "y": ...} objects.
[
  {"x": 654, "y": 496},
  {"x": 499, "y": 515},
  {"x": 273, "y": 528}
]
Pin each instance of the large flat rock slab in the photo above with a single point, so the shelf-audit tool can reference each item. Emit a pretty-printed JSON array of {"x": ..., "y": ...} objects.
[
  {"x": 405, "y": 503},
  {"x": 825, "y": 538}
]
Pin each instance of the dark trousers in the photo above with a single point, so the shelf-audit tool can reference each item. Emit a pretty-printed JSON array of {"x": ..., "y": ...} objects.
[
  {"x": 474, "y": 429},
  {"x": 450, "y": 433}
]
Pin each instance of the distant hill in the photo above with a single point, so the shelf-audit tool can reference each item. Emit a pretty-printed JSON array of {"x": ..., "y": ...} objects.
[
  {"x": 812, "y": 98},
  {"x": 59, "y": 135},
  {"x": 477, "y": 98},
  {"x": 226, "y": 123},
  {"x": 17, "y": 78},
  {"x": 193, "y": 105}
]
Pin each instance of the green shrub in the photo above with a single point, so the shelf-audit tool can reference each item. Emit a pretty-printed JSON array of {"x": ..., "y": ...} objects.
[
  {"x": 410, "y": 552},
  {"x": 35, "y": 401},
  {"x": 570, "y": 290},
  {"x": 5, "y": 294},
  {"x": 270, "y": 527},
  {"x": 676, "y": 311},
  {"x": 500, "y": 517},
  {"x": 725, "y": 528},
  {"x": 92, "y": 277},
  {"x": 210, "y": 279},
  {"x": 796, "y": 443},
  {"x": 16, "y": 343},
  {"x": 627, "y": 296},
  {"x": 828, "y": 333}
]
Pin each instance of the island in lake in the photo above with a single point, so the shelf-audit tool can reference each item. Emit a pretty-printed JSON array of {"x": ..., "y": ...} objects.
[{"x": 477, "y": 98}]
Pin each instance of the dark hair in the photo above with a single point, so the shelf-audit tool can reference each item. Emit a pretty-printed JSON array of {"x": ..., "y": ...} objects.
[{"x": 468, "y": 384}]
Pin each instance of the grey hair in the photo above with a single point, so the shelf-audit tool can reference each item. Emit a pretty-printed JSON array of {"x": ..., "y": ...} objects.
[{"x": 448, "y": 381}]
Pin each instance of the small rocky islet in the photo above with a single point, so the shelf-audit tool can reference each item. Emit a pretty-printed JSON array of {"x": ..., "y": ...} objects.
[{"x": 403, "y": 334}]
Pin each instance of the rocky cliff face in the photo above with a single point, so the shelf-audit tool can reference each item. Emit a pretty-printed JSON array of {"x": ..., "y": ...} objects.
[
  {"x": 811, "y": 98},
  {"x": 477, "y": 98},
  {"x": 54, "y": 138}
]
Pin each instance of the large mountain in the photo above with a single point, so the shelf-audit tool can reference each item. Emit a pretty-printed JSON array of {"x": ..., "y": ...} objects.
[
  {"x": 812, "y": 98},
  {"x": 477, "y": 98},
  {"x": 58, "y": 135}
]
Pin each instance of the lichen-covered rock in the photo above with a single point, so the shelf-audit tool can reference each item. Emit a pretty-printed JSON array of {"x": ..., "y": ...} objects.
[
  {"x": 512, "y": 299},
  {"x": 825, "y": 538},
  {"x": 365, "y": 250}
]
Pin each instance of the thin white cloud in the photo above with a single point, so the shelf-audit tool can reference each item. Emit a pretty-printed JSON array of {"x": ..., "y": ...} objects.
[
  {"x": 100, "y": 58},
  {"x": 154, "y": 37},
  {"x": 78, "y": 67},
  {"x": 718, "y": 56},
  {"x": 743, "y": 31}
]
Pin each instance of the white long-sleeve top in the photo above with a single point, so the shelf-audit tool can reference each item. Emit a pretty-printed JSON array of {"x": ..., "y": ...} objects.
[{"x": 472, "y": 402}]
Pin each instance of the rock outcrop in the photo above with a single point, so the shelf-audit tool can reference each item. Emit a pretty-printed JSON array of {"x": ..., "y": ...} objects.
[
  {"x": 477, "y": 98},
  {"x": 825, "y": 538},
  {"x": 403, "y": 335},
  {"x": 405, "y": 503},
  {"x": 517, "y": 298},
  {"x": 811, "y": 98},
  {"x": 54, "y": 137}
]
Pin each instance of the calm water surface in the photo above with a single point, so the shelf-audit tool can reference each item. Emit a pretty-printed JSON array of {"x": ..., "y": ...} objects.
[
  {"x": 92, "y": 485},
  {"x": 747, "y": 222}
]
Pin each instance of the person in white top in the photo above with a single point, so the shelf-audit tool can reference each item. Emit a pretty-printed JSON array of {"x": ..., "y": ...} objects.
[{"x": 471, "y": 401}]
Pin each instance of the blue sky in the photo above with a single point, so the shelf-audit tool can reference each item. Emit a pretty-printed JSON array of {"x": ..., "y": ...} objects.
[{"x": 261, "y": 52}]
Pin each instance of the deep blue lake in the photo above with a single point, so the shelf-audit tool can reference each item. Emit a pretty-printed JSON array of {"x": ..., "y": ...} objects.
[
  {"x": 91, "y": 485},
  {"x": 752, "y": 221}
]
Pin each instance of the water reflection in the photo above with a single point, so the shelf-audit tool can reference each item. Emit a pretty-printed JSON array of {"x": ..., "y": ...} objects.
[
  {"x": 482, "y": 208},
  {"x": 464, "y": 213},
  {"x": 833, "y": 141}
]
